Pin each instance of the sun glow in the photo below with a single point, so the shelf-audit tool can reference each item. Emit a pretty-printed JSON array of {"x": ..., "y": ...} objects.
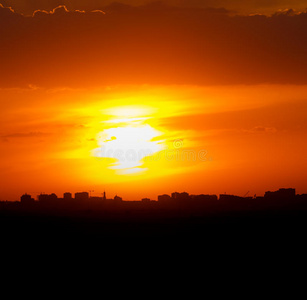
[{"x": 129, "y": 142}]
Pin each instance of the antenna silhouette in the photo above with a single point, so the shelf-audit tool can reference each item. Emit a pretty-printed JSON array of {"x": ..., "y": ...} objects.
[{"x": 246, "y": 194}]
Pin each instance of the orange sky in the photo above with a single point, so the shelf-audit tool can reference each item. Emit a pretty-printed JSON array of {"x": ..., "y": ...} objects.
[
  {"x": 216, "y": 101},
  {"x": 214, "y": 139}
]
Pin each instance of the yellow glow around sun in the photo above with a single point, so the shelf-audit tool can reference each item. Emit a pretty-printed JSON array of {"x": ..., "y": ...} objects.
[
  {"x": 130, "y": 142},
  {"x": 129, "y": 111},
  {"x": 126, "y": 132}
]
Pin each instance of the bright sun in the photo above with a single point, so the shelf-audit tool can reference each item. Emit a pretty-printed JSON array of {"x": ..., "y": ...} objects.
[{"x": 130, "y": 141}]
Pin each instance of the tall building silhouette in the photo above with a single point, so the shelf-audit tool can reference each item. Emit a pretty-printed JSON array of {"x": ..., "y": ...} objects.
[{"x": 67, "y": 196}]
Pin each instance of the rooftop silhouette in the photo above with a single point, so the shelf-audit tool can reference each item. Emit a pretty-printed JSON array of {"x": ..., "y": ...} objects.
[{"x": 183, "y": 202}]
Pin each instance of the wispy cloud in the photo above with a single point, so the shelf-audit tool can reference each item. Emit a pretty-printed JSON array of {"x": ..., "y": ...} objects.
[{"x": 24, "y": 135}]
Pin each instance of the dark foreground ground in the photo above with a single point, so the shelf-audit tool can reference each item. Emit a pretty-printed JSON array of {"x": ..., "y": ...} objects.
[
  {"x": 220, "y": 230},
  {"x": 239, "y": 247}
]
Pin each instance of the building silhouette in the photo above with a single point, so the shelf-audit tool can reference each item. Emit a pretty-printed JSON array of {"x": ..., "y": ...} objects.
[
  {"x": 67, "y": 196},
  {"x": 45, "y": 198},
  {"x": 181, "y": 197},
  {"x": 26, "y": 199},
  {"x": 280, "y": 194},
  {"x": 164, "y": 198},
  {"x": 83, "y": 196},
  {"x": 118, "y": 199}
]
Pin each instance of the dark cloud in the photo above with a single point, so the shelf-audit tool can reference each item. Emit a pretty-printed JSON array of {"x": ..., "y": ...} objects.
[
  {"x": 151, "y": 44},
  {"x": 242, "y": 6},
  {"x": 18, "y": 135}
]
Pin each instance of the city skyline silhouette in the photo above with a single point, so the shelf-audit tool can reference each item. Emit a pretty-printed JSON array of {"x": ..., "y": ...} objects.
[
  {"x": 277, "y": 217},
  {"x": 84, "y": 201}
]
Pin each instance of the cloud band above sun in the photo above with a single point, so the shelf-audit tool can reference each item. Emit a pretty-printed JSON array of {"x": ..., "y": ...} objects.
[
  {"x": 239, "y": 6},
  {"x": 154, "y": 44}
]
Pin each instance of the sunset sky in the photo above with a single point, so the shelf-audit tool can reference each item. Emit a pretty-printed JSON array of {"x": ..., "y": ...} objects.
[{"x": 142, "y": 98}]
